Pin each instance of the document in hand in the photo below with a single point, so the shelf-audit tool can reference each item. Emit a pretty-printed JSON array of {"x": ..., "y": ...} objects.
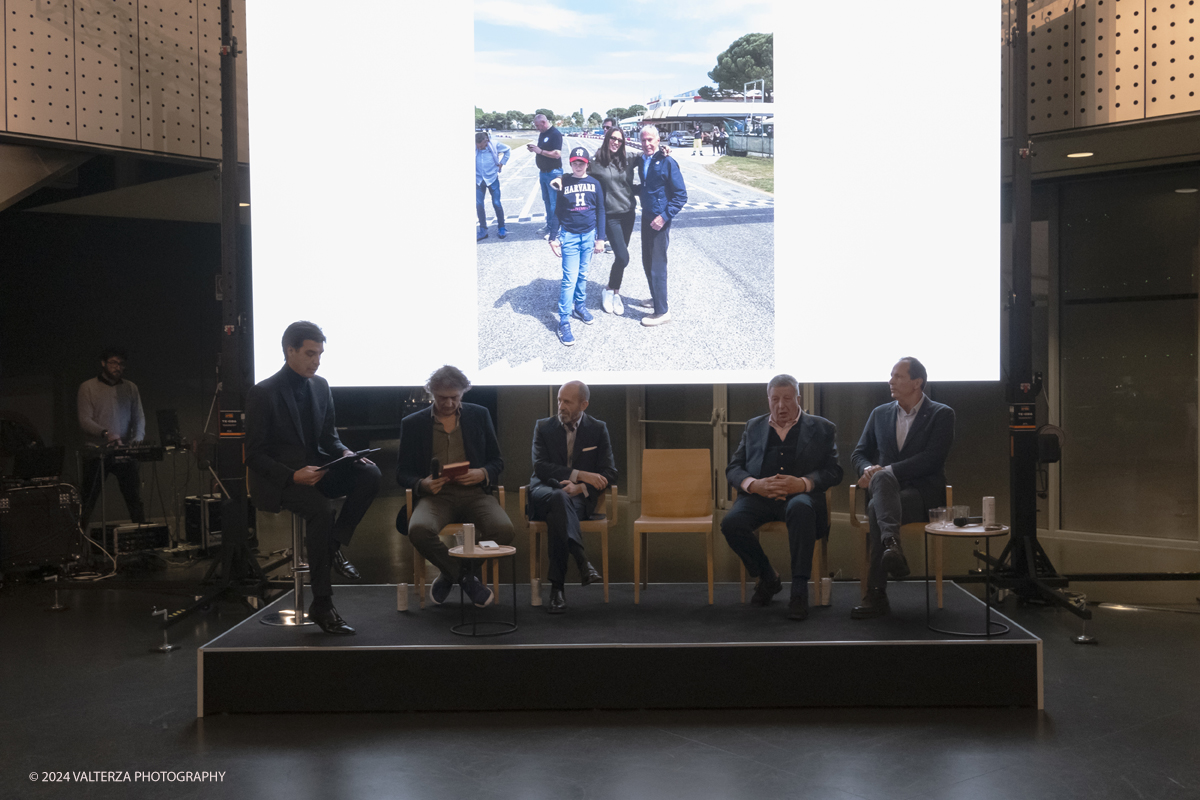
[{"x": 352, "y": 457}]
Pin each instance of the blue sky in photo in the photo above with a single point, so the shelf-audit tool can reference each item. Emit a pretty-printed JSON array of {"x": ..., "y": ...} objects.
[{"x": 561, "y": 55}]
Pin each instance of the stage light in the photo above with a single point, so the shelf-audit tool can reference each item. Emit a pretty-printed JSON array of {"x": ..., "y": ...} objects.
[
  {"x": 244, "y": 205},
  {"x": 1080, "y": 155},
  {"x": 1186, "y": 191}
]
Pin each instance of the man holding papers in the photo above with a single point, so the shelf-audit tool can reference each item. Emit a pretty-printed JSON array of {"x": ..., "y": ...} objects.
[{"x": 290, "y": 433}]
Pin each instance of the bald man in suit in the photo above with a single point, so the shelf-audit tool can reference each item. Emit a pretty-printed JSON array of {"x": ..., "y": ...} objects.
[{"x": 900, "y": 460}]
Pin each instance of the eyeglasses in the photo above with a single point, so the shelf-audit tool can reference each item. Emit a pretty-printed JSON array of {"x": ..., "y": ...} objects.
[{"x": 115, "y": 362}]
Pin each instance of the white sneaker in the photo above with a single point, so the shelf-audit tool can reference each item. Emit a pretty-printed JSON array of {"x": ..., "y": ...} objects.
[
  {"x": 606, "y": 300},
  {"x": 656, "y": 319},
  {"x": 618, "y": 304}
]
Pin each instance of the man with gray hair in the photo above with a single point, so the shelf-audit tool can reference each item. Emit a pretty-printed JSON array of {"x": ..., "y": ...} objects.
[
  {"x": 452, "y": 432},
  {"x": 663, "y": 197},
  {"x": 572, "y": 466},
  {"x": 783, "y": 465}
]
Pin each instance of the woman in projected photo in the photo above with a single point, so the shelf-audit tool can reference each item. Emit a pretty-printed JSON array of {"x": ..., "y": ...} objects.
[{"x": 616, "y": 174}]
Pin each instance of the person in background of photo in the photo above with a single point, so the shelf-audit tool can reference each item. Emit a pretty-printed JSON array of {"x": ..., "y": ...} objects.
[
  {"x": 615, "y": 172},
  {"x": 490, "y": 158},
  {"x": 549, "y": 164},
  {"x": 714, "y": 138},
  {"x": 697, "y": 139},
  {"x": 579, "y": 208},
  {"x": 664, "y": 195},
  {"x": 608, "y": 124}
]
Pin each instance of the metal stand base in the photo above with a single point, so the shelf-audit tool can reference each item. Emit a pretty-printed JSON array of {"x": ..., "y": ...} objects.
[
  {"x": 286, "y": 619},
  {"x": 293, "y": 617},
  {"x": 57, "y": 605},
  {"x": 471, "y": 628},
  {"x": 1083, "y": 637}
]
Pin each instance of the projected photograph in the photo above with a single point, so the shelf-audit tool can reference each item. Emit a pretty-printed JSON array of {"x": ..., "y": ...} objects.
[{"x": 625, "y": 211}]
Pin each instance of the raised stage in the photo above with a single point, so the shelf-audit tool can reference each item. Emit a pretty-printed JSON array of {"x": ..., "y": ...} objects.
[{"x": 671, "y": 651}]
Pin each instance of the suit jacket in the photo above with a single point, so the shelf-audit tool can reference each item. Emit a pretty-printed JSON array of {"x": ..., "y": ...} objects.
[
  {"x": 416, "y": 445},
  {"x": 593, "y": 453},
  {"x": 816, "y": 458},
  {"x": 921, "y": 464},
  {"x": 275, "y": 437}
]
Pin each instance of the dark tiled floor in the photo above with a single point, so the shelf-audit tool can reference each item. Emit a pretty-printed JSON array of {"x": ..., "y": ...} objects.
[{"x": 82, "y": 692}]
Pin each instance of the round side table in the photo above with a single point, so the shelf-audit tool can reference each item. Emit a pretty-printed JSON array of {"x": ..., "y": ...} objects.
[
  {"x": 951, "y": 531},
  {"x": 498, "y": 627}
]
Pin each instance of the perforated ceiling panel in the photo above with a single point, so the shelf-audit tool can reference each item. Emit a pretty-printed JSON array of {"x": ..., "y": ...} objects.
[
  {"x": 210, "y": 78},
  {"x": 106, "y": 67},
  {"x": 1051, "y": 64},
  {"x": 1110, "y": 41},
  {"x": 1171, "y": 51},
  {"x": 40, "y": 68},
  {"x": 170, "y": 77}
]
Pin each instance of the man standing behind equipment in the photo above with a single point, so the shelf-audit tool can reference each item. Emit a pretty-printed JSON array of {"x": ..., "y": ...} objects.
[
  {"x": 549, "y": 161},
  {"x": 663, "y": 197},
  {"x": 110, "y": 414}
]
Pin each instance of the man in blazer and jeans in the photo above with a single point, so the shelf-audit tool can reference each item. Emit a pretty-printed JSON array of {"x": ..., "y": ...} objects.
[
  {"x": 290, "y": 433},
  {"x": 783, "y": 465},
  {"x": 900, "y": 460},
  {"x": 452, "y": 432},
  {"x": 572, "y": 466}
]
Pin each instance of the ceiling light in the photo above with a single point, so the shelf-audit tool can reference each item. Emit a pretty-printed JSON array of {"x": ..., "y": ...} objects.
[
  {"x": 1080, "y": 155},
  {"x": 243, "y": 205},
  {"x": 1186, "y": 191}
]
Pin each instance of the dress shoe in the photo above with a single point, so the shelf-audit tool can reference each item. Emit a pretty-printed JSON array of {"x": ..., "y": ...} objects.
[
  {"x": 798, "y": 606},
  {"x": 329, "y": 620},
  {"x": 588, "y": 575},
  {"x": 765, "y": 589},
  {"x": 558, "y": 602},
  {"x": 893, "y": 558},
  {"x": 344, "y": 567},
  {"x": 875, "y": 604}
]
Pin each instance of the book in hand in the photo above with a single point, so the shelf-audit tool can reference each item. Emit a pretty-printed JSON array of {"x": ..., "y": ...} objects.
[
  {"x": 351, "y": 457},
  {"x": 453, "y": 471}
]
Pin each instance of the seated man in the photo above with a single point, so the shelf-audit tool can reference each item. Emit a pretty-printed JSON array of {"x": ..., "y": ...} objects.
[
  {"x": 289, "y": 433},
  {"x": 452, "y": 432},
  {"x": 783, "y": 465},
  {"x": 572, "y": 466},
  {"x": 900, "y": 459}
]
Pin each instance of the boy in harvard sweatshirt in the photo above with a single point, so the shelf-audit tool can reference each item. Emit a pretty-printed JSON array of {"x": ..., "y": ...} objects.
[{"x": 578, "y": 222}]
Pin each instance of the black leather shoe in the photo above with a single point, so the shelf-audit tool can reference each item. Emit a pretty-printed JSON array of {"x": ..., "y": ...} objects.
[
  {"x": 344, "y": 567},
  {"x": 330, "y": 621},
  {"x": 893, "y": 558},
  {"x": 589, "y": 575},
  {"x": 798, "y": 606},
  {"x": 875, "y": 604},
  {"x": 765, "y": 589},
  {"x": 558, "y": 602}
]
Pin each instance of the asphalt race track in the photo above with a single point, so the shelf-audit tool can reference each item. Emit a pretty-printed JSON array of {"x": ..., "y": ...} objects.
[{"x": 721, "y": 283}]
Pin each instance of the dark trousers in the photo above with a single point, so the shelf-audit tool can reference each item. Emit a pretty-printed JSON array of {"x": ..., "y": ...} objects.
[
  {"x": 618, "y": 228},
  {"x": 752, "y": 510},
  {"x": 128, "y": 478},
  {"x": 654, "y": 260},
  {"x": 562, "y": 514},
  {"x": 465, "y": 504},
  {"x": 888, "y": 507},
  {"x": 325, "y": 529}
]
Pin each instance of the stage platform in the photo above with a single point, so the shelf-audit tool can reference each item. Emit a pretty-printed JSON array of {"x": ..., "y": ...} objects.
[{"x": 671, "y": 651}]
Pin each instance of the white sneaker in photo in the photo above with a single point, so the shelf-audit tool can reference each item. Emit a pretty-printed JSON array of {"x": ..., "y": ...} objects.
[
  {"x": 618, "y": 304},
  {"x": 606, "y": 300},
  {"x": 656, "y": 319}
]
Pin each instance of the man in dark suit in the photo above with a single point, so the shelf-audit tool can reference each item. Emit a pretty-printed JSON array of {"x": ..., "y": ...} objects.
[
  {"x": 289, "y": 433},
  {"x": 452, "y": 432},
  {"x": 572, "y": 466},
  {"x": 900, "y": 460},
  {"x": 783, "y": 465}
]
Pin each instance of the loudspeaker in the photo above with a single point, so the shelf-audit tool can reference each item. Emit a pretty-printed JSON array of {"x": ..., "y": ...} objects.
[
  {"x": 39, "y": 526},
  {"x": 168, "y": 428}
]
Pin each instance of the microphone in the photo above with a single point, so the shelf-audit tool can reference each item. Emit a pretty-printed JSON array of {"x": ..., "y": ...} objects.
[{"x": 435, "y": 468}]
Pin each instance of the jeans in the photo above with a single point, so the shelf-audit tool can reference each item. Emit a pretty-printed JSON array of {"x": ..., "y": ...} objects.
[
  {"x": 576, "y": 256},
  {"x": 494, "y": 188},
  {"x": 549, "y": 196},
  {"x": 618, "y": 229}
]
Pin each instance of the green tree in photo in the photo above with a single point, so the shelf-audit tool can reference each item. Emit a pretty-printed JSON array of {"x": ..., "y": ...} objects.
[
  {"x": 618, "y": 113},
  {"x": 594, "y": 119},
  {"x": 752, "y": 57}
]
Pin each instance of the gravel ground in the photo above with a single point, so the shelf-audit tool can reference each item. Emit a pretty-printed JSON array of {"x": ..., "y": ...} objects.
[{"x": 721, "y": 285}]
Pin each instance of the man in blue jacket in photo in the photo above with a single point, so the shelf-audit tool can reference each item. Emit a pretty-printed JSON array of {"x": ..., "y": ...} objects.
[{"x": 663, "y": 197}]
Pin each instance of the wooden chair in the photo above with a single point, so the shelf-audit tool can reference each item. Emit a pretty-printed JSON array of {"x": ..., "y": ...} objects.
[
  {"x": 677, "y": 497},
  {"x": 600, "y": 522},
  {"x": 820, "y": 552},
  {"x": 449, "y": 530},
  {"x": 864, "y": 525}
]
